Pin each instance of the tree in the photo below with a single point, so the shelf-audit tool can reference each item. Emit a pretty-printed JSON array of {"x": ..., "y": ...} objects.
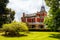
[
  {"x": 14, "y": 28},
  {"x": 55, "y": 12},
  {"x": 10, "y": 15},
  {"x": 3, "y": 4},
  {"x": 6, "y": 15}
]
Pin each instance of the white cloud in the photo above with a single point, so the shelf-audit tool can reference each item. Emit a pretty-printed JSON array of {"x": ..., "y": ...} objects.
[{"x": 28, "y": 6}]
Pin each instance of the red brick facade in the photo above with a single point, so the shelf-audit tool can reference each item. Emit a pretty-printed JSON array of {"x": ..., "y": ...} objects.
[
  {"x": 35, "y": 19},
  {"x": 39, "y": 17}
]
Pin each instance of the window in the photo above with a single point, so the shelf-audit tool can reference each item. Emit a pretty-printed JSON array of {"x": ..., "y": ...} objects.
[{"x": 33, "y": 20}]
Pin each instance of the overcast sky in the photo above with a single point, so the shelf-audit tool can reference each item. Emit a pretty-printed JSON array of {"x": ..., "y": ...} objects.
[{"x": 27, "y": 6}]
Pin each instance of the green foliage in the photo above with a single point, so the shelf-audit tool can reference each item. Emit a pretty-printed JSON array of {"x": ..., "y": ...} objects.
[
  {"x": 6, "y": 15},
  {"x": 23, "y": 26},
  {"x": 53, "y": 21},
  {"x": 49, "y": 22},
  {"x": 15, "y": 27},
  {"x": 52, "y": 3},
  {"x": 3, "y": 4}
]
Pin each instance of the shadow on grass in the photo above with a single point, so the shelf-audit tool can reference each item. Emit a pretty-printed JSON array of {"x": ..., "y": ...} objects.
[
  {"x": 55, "y": 36},
  {"x": 19, "y": 35}
]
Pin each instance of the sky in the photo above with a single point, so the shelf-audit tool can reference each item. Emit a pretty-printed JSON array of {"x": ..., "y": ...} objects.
[{"x": 27, "y": 6}]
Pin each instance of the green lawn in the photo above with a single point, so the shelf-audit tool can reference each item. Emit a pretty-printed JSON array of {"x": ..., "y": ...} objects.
[{"x": 34, "y": 36}]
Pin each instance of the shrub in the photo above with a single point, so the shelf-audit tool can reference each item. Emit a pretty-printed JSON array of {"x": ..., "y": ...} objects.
[
  {"x": 23, "y": 26},
  {"x": 15, "y": 28}
]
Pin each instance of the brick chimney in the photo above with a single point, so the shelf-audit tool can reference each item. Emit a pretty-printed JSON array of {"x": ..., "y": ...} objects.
[{"x": 23, "y": 14}]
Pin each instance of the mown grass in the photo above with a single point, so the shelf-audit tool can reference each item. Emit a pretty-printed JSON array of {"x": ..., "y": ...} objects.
[{"x": 34, "y": 36}]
